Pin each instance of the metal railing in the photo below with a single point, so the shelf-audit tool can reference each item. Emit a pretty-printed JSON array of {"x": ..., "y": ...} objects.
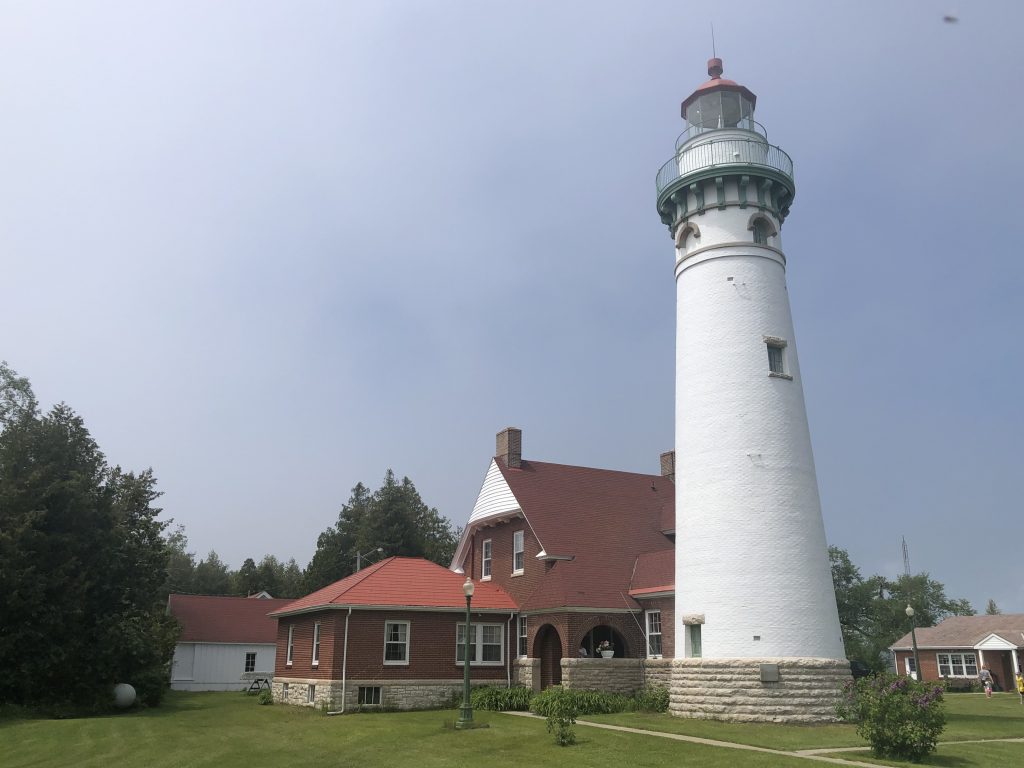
[
  {"x": 723, "y": 153},
  {"x": 746, "y": 124}
]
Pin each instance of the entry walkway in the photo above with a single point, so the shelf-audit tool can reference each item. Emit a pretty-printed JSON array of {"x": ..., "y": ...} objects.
[{"x": 817, "y": 755}]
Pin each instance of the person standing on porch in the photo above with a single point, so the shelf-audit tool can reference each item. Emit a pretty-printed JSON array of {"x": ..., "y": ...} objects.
[{"x": 1020, "y": 686}]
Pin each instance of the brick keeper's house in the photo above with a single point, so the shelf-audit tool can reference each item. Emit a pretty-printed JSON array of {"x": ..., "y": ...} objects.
[{"x": 563, "y": 558}]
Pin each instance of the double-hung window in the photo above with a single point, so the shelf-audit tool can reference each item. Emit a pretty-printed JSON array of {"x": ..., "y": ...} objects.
[
  {"x": 518, "y": 556},
  {"x": 396, "y": 642},
  {"x": 485, "y": 644},
  {"x": 654, "y": 634},
  {"x": 522, "y": 636},
  {"x": 957, "y": 665},
  {"x": 250, "y": 661},
  {"x": 485, "y": 560},
  {"x": 316, "y": 644},
  {"x": 291, "y": 644}
]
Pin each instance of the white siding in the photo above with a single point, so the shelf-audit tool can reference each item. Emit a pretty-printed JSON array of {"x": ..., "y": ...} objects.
[
  {"x": 495, "y": 497},
  {"x": 217, "y": 666}
]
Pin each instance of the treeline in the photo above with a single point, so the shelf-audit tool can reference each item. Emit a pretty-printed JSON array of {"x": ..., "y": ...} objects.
[{"x": 393, "y": 520}]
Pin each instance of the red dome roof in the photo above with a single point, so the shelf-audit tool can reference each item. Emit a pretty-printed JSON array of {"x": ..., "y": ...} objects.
[{"x": 716, "y": 83}]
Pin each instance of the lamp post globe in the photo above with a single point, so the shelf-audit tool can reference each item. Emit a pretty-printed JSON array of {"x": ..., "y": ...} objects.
[{"x": 466, "y": 715}]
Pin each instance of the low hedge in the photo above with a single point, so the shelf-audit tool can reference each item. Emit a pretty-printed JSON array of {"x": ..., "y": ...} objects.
[{"x": 516, "y": 699}]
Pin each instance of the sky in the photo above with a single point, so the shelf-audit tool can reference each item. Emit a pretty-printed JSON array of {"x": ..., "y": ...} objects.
[{"x": 273, "y": 249}]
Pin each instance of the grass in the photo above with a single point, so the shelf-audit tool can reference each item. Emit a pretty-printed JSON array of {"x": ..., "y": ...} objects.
[
  {"x": 969, "y": 717},
  {"x": 228, "y": 730}
]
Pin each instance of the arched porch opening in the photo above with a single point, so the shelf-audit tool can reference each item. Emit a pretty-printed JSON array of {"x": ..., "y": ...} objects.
[{"x": 547, "y": 646}]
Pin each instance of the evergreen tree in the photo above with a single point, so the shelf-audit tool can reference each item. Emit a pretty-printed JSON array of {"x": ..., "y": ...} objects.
[
  {"x": 212, "y": 577},
  {"x": 246, "y": 580},
  {"x": 181, "y": 564},
  {"x": 992, "y": 609},
  {"x": 393, "y": 518},
  {"x": 82, "y": 563}
]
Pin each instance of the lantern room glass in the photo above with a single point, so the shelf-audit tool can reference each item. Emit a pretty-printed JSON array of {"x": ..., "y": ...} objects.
[{"x": 720, "y": 109}]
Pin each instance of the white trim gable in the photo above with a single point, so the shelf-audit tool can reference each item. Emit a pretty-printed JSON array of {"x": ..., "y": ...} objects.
[
  {"x": 495, "y": 497},
  {"x": 494, "y": 501},
  {"x": 994, "y": 642}
]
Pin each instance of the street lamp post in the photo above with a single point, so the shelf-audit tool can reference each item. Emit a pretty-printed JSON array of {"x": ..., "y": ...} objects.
[
  {"x": 361, "y": 555},
  {"x": 913, "y": 638},
  {"x": 466, "y": 717}
]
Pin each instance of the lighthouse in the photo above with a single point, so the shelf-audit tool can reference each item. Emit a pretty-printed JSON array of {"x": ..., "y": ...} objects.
[{"x": 757, "y": 628}]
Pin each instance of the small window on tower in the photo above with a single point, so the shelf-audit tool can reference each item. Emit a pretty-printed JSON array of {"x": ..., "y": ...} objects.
[
  {"x": 761, "y": 231},
  {"x": 776, "y": 357}
]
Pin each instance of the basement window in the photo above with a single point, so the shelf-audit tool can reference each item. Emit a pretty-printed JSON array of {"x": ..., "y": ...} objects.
[
  {"x": 310, "y": 694},
  {"x": 369, "y": 695}
]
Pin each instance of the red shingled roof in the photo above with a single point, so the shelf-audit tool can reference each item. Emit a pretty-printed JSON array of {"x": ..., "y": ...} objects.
[
  {"x": 402, "y": 582},
  {"x": 654, "y": 572},
  {"x": 225, "y": 619},
  {"x": 604, "y": 518}
]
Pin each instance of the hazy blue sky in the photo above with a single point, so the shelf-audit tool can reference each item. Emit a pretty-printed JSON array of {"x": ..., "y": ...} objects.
[{"x": 272, "y": 249}]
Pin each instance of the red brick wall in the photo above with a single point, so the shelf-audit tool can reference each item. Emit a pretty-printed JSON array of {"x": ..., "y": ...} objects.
[
  {"x": 302, "y": 646},
  {"x": 501, "y": 535},
  {"x": 572, "y": 627},
  {"x": 431, "y": 646}
]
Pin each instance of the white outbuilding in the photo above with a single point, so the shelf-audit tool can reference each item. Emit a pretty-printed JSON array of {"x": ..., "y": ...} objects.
[{"x": 226, "y": 642}]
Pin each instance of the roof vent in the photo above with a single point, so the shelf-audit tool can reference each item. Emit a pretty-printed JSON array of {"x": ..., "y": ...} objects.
[{"x": 510, "y": 447}]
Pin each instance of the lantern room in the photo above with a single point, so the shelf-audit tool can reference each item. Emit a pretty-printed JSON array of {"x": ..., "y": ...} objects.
[{"x": 718, "y": 103}]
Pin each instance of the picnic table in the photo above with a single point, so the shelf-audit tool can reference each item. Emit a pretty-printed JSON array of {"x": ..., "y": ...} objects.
[{"x": 257, "y": 680}]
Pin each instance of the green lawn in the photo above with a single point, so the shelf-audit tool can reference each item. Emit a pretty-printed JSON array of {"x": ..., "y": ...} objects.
[
  {"x": 227, "y": 730},
  {"x": 968, "y": 717}
]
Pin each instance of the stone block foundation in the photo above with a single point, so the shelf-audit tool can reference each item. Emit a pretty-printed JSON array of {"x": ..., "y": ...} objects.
[
  {"x": 731, "y": 689},
  {"x": 394, "y": 694}
]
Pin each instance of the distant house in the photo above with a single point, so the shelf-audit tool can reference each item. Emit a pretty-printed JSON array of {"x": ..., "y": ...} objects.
[
  {"x": 960, "y": 646},
  {"x": 222, "y": 638},
  {"x": 391, "y": 635},
  {"x": 563, "y": 559}
]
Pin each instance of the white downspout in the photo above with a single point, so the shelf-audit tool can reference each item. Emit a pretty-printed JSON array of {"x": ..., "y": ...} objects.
[{"x": 344, "y": 666}]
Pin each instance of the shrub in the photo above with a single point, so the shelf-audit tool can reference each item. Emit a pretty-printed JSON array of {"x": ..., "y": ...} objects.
[
  {"x": 901, "y": 718},
  {"x": 265, "y": 697},
  {"x": 516, "y": 699},
  {"x": 559, "y": 706},
  {"x": 651, "y": 698},
  {"x": 584, "y": 702}
]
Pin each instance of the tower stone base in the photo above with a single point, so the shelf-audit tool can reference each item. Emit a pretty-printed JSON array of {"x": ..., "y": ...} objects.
[{"x": 806, "y": 690}]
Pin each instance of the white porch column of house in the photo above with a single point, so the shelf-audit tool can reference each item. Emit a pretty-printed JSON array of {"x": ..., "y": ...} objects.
[
  {"x": 981, "y": 659},
  {"x": 1016, "y": 661}
]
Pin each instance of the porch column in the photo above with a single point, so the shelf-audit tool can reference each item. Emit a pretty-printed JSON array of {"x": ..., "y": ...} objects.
[
  {"x": 981, "y": 659},
  {"x": 1016, "y": 662}
]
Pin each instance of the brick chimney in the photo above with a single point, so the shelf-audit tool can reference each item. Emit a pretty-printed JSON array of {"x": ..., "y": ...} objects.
[
  {"x": 510, "y": 447},
  {"x": 668, "y": 465}
]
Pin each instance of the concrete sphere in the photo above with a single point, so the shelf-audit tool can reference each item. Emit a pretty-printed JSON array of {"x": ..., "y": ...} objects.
[{"x": 124, "y": 695}]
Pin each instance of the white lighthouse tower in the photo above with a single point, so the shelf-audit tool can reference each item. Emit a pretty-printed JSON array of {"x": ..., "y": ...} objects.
[{"x": 757, "y": 629}]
